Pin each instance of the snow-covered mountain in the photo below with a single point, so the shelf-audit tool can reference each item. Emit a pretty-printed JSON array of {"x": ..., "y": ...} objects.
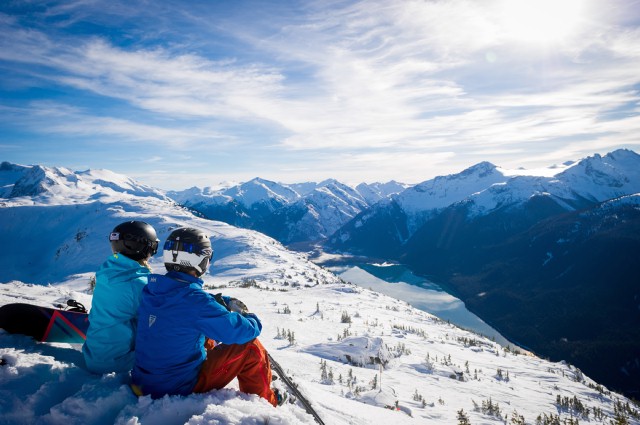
[
  {"x": 254, "y": 194},
  {"x": 481, "y": 190},
  {"x": 303, "y": 212},
  {"x": 49, "y": 184},
  {"x": 9, "y": 174},
  {"x": 262, "y": 194},
  {"x": 318, "y": 214},
  {"x": 375, "y": 192},
  {"x": 49, "y": 199},
  {"x": 496, "y": 247},
  {"x": 330, "y": 336},
  {"x": 420, "y": 201},
  {"x": 592, "y": 180}
]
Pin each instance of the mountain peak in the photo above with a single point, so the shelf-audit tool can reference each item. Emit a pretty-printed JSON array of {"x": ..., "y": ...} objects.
[
  {"x": 262, "y": 191},
  {"x": 623, "y": 155},
  {"x": 328, "y": 182},
  {"x": 39, "y": 179},
  {"x": 9, "y": 175},
  {"x": 600, "y": 177},
  {"x": 8, "y": 166},
  {"x": 260, "y": 180},
  {"x": 54, "y": 181},
  {"x": 481, "y": 169}
]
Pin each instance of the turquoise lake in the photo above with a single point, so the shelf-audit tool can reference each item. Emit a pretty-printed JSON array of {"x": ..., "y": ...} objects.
[{"x": 399, "y": 282}]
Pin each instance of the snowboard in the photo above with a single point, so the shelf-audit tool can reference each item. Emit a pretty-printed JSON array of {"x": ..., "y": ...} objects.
[{"x": 44, "y": 324}]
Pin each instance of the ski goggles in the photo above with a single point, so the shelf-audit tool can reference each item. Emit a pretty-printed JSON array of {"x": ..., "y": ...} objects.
[
  {"x": 187, "y": 247},
  {"x": 127, "y": 237}
]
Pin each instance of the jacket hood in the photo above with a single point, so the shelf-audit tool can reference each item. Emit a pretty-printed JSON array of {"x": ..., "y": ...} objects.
[{"x": 160, "y": 285}]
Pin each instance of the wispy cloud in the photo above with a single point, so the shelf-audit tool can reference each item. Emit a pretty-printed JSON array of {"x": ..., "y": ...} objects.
[
  {"x": 398, "y": 74},
  {"x": 54, "y": 118},
  {"x": 375, "y": 81}
]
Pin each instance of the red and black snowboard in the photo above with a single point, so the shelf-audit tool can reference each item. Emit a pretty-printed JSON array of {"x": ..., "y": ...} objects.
[{"x": 44, "y": 323}]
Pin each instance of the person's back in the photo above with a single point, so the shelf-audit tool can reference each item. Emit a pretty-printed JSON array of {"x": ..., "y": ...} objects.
[
  {"x": 112, "y": 320},
  {"x": 175, "y": 315},
  {"x": 179, "y": 322},
  {"x": 110, "y": 342}
]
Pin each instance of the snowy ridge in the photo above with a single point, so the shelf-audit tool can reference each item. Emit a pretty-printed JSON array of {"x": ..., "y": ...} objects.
[
  {"x": 404, "y": 213},
  {"x": 262, "y": 191},
  {"x": 292, "y": 213},
  {"x": 633, "y": 200},
  {"x": 9, "y": 174},
  {"x": 58, "y": 185},
  {"x": 594, "y": 179},
  {"x": 484, "y": 188},
  {"x": 330, "y": 206},
  {"x": 330, "y": 335},
  {"x": 420, "y": 201},
  {"x": 197, "y": 194},
  {"x": 605, "y": 177},
  {"x": 374, "y": 192}
]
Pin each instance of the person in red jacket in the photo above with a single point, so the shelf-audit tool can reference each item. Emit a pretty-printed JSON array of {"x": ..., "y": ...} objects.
[{"x": 189, "y": 342}]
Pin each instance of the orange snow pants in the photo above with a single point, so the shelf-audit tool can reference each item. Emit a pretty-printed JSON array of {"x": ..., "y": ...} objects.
[{"x": 248, "y": 362}]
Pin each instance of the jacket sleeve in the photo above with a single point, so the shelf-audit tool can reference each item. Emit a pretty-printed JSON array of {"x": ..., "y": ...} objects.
[
  {"x": 221, "y": 325},
  {"x": 136, "y": 287}
]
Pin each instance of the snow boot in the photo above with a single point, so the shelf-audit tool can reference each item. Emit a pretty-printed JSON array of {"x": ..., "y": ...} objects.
[{"x": 281, "y": 395}]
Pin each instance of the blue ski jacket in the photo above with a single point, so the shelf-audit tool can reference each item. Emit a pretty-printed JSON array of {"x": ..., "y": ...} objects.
[
  {"x": 112, "y": 320},
  {"x": 175, "y": 316}
]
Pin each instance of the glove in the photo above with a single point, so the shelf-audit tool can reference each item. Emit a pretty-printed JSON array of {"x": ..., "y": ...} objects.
[
  {"x": 238, "y": 306},
  {"x": 252, "y": 316},
  {"x": 222, "y": 300}
]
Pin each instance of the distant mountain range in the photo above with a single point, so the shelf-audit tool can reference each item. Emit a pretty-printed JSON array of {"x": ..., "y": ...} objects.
[
  {"x": 297, "y": 213},
  {"x": 483, "y": 190},
  {"x": 550, "y": 262}
]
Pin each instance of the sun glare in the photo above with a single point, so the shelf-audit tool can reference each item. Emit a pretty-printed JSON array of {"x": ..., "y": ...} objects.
[{"x": 541, "y": 21}]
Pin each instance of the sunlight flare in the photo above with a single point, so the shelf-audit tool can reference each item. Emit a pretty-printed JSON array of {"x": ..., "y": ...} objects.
[{"x": 541, "y": 21}]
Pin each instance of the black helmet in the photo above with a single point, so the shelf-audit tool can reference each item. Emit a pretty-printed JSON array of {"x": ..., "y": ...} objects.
[
  {"x": 187, "y": 249},
  {"x": 135, "y": 239}
]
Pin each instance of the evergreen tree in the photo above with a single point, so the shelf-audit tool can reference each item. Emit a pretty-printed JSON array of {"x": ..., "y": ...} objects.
[
  {"x": 463, "y": 419},
  {"x": 374, "y": 382}
]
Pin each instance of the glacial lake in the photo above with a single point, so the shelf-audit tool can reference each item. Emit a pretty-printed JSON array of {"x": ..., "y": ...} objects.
[{"x": 399, "y": 282}]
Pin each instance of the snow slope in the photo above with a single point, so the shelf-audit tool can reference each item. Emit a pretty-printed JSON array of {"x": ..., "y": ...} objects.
[{"x": 329, "y": 334}]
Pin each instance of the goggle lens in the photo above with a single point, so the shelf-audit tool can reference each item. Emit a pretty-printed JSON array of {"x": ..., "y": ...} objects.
[{"x": 171, "y": 245}]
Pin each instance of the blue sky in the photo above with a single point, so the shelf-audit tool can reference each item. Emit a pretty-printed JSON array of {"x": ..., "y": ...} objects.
[{"x": 184, "y": 93}]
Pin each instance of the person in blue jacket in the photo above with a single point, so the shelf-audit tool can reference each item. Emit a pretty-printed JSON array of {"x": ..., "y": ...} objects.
[
  {"x": 190, "y": 341},
  {"x": 110, "y": 342}
]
